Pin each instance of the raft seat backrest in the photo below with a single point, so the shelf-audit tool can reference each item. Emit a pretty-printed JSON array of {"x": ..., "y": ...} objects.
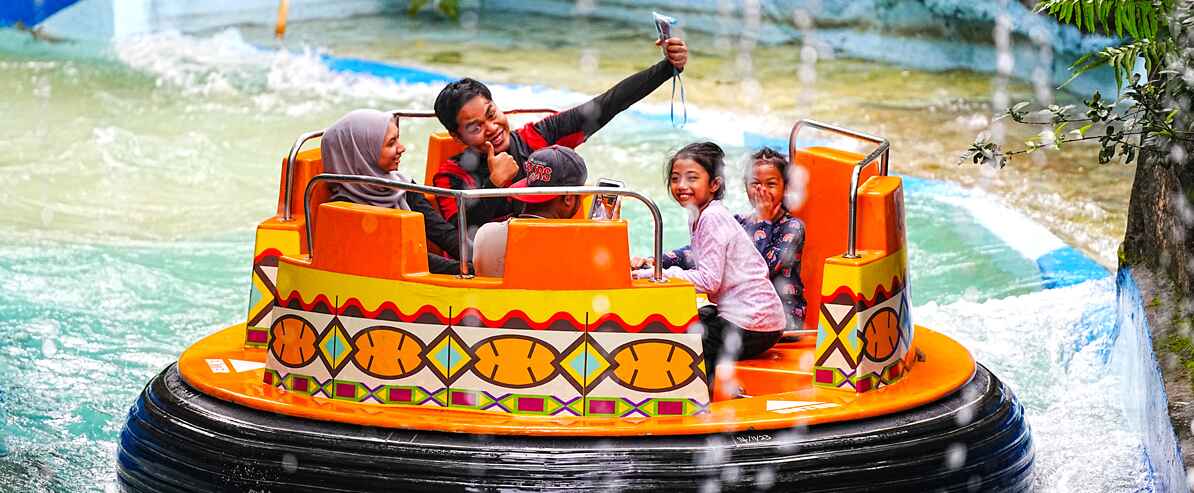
[
  {"x": 369, "y": 241},
  {"x": 567, "y": 254},
  {"x": 440, "y": 147},
  {"x": 308, "y": 164},
  {"x": 825, "y": 213}
]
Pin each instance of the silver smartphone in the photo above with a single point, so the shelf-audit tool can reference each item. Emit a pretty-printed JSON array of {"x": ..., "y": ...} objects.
[
  {"x": 607, "y": 206},
  {"x": 663, "y": 24}
]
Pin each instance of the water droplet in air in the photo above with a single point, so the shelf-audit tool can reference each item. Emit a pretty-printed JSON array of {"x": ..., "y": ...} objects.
[
  {"x": 289, "y": 463},
  {"x": 601, "y": 304},
  {"x": 955, "y": 456},
  {"x": 765, "y": 479},
  {"x": 588, "y": 60},
  {"x": 49, "y": 348},
  {"x": 468, "y": 20},
  {"x": 585, "y": 7}
]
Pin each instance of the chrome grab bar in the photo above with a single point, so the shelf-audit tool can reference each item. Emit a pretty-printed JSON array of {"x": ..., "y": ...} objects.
[
  {"x": 461, "y": 195},
  {"x": 882, "y": 151},
  {"x": 298, "y": 145}
]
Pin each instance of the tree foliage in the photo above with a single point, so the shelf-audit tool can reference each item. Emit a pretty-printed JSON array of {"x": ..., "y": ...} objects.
[
  {"x": 1143, "y": 21},
  {"x": 450, "y": 8},
  {"x": 1146, "y": 114}
]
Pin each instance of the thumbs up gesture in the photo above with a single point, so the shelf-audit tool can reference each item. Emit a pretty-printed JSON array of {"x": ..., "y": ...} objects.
[{"x": 502, "y": 167}]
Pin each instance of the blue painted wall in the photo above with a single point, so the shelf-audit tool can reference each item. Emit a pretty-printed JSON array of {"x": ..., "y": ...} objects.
[
  {"x": 30, "y": 12},
  {"x": 1144, "y": 400}
]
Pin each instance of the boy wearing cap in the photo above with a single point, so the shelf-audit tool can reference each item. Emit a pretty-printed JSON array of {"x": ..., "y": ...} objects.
[{"x": 555, "y": 166}]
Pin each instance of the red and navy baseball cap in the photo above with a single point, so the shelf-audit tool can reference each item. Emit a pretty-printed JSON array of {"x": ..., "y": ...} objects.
[{"x": 555, "y": 166}]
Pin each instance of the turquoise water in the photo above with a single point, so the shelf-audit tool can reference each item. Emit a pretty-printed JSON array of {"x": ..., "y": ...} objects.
[{"x": 136, "y": 173}]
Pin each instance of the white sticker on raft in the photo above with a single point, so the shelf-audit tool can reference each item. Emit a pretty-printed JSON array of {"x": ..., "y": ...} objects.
[
  {"x": 243, "y": 366},
  {"x": 239, "y": 366},
  {"x": 217, "y": 366},
  {"x": 789, "y": 407}
]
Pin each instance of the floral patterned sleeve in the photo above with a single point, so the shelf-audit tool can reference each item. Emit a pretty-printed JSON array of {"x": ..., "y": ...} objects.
[
  {"x": 761, "y": 233},
  {"x": 781, "y": 244},
  {"x": 680, "y": 257}
]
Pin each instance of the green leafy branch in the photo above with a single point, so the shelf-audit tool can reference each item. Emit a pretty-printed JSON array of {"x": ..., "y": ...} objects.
[
  {"x": 1125, "y": 134},
  {"x": 1145, "y": 117},
  {"x": 1122, "y": 59},
  {"x": 450, "y": 8},
  {"x": 1140, "y": 19}
]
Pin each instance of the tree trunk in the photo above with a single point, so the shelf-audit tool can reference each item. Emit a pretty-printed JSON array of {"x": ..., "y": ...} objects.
[{"x": 1160, "y": 231}]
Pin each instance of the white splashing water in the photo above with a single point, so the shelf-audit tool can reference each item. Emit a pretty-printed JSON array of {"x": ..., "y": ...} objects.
[{"x": 1054, "y": 349}]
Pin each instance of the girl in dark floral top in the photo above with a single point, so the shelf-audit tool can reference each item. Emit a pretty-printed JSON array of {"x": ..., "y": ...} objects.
[{"x": 777, "y": 235}]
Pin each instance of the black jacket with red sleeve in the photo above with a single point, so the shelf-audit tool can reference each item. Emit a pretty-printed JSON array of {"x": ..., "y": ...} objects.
[{"x": 469, "y": 169}]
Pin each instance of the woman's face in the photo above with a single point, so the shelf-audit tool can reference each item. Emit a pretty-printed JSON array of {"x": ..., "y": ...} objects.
[
  {"x": 766, "y": 179},
  {"x": 391, "y": 149},
  {"x": 480, "y": 121},
  {"x": 690, "y": 184}
]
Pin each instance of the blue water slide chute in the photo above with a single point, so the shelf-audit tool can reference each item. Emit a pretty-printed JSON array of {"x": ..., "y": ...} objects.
[{"x": 30, "y": 12}]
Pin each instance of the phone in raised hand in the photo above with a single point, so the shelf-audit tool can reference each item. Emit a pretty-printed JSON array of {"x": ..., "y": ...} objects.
[{"x": 663, "y": 24}]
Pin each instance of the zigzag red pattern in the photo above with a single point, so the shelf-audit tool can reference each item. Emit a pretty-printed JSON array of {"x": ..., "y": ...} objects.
[
  {"x": 390, "y": 306},
  {"x": 655, "y": 318},
  {"x": 881, "y": 294},
  {"x": 521, "y": 316},
  {"x": 268, "y": 252},
  {"x": 295, "y": 297}
]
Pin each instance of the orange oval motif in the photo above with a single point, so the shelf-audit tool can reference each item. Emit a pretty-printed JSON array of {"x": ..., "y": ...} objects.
[
  {"x": 292, "y": 341},
  {"x": 881, "y": 336},
  {"x": 514, "y": 361},
  {"x": 387, "y": 352},
  {"x": 654, "y": 365}
]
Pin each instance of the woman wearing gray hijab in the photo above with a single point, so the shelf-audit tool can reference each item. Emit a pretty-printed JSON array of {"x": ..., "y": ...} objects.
[{"x": 365, "y": 143}]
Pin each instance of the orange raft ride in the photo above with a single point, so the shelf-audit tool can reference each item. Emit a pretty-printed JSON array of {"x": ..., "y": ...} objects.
[{"x": 359, "y": 370}]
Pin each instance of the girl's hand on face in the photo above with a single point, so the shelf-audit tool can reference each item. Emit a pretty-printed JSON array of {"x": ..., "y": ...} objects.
[{"x": 765, "y": 206}]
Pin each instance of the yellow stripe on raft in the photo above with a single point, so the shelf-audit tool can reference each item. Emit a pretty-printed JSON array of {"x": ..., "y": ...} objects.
[{"x": 674, "y": 301}]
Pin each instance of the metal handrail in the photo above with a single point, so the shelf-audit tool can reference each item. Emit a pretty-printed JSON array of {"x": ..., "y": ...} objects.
[
  {"x": 288, "y": 185},
  {"x": 882, "y": 151},
  {"x": 461, "y": 195}
]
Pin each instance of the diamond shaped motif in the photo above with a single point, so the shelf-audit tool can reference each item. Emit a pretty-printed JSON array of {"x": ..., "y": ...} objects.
[
  {"x": 263, "y": 293},
  {"x": 335, "y": 347},
  {"x": 584, "y": 364},
  {"x": 448, "y": 356},
  {"x": 905, "y": 319}
]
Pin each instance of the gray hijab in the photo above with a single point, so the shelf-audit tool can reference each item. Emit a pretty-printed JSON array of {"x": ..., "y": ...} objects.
[{"x": 351, "y": 147}]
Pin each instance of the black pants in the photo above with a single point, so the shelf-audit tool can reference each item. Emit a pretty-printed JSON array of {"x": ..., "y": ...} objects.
[{"x": 722, "y": 336}]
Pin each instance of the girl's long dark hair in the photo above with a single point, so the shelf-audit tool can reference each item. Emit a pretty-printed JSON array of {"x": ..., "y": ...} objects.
[{"x": 709, "y": 156}]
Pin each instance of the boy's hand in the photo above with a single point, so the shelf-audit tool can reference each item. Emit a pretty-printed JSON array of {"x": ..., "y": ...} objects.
[
  {"x": 676, "y": 52},
  {"x": 641, "y": 262},
  {"x": 502, "y": 167}
]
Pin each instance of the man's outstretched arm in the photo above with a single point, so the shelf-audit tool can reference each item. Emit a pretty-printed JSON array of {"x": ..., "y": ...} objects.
[{"x": 573, "y": 126}]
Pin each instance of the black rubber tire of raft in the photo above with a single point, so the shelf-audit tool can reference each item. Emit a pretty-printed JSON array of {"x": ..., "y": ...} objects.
[{"x": 178, "y": 439}]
